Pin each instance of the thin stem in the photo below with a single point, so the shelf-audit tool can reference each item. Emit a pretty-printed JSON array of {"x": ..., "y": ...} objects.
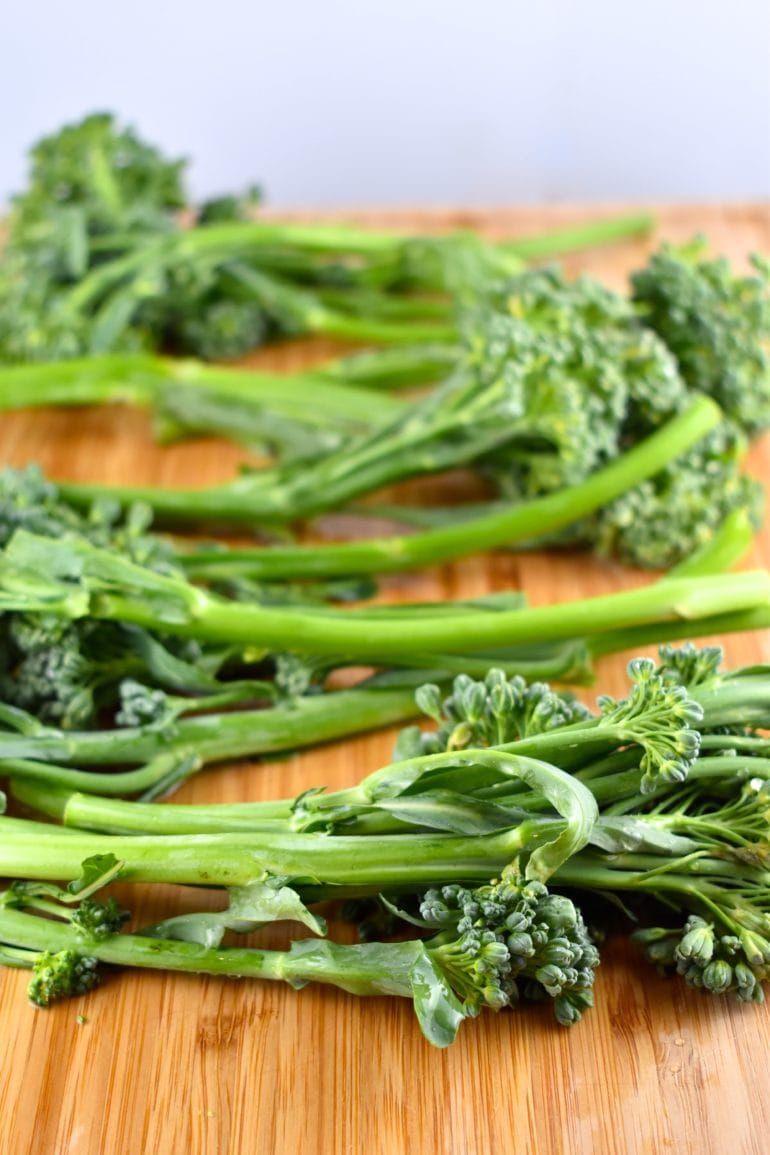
[
  {"x": 307, "y": 721},
  {"x": 303, "y": 631},
  {"x": 144, "y": 380},
  {"x": 575, "y": 237},
  {"x": 362, "y": 969},
  {"x": 392, "y": 554},
  {"x": 228, "y": 860}
]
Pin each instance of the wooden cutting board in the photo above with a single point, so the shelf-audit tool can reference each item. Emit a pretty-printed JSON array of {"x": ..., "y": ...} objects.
[{"x": 196, "y": 1065}]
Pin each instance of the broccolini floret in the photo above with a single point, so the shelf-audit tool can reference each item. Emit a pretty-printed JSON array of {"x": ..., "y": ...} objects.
[
  {"x": 669, "y": 516},
  {"x": 509, "y": 939},
  {"x": 103, "y": 171},
  {"x": 489, "y": 712},
  {"x": 716, "y": 322},
  {"x": 467, "y": 838},
  {"x": 587, "y": 363},
  {"x": 494, "y": 945},
  {"x": 61, "y": 976}
]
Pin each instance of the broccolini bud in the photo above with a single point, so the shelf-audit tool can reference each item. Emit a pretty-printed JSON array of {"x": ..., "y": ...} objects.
[
  {"x": 494, "y": 711},
  {"x": 591, "y": 376},
  {"x": 58, "y": 670},
  {"x": 113, "y": 177},
  {"x": 697, "y": 944},
  {"x": 61, "y": 976},
  {"x": 28, "y": 501},
  {"x": 716, "y": 323},
  {"x": 215, "y": 210},
  {"x": 297, "y": 674},
  {"x": 221, "y": 330},
  {"x": 660, "y": 718},
  {"x": 497, "y": 937},
  {"x": 688, "y": 665},
  {"x": 142, "y": 706},
  {"x": 718, "y": 976},
  {"x": 711, "y": 960},
  {"x": 669, "y": 516},
  {"x": 98, "y": 920}
]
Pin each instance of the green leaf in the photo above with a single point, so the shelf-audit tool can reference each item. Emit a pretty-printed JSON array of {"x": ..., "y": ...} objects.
[
  {"x": 77, "y": 569},
  {"x": 627, "y": 834},
  {"x": 250, "y": 907},
  {"x": 455, "y": 813},
  {"x": 95, "y": 872},
  {"x": 439, "y": 1011}
]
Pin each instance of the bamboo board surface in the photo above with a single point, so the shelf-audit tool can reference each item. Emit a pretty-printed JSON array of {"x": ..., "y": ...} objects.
[{"x": 196, "y": 1065}]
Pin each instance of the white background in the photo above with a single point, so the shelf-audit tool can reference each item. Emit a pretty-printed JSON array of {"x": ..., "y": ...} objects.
[{"x": 436, "y": 101}]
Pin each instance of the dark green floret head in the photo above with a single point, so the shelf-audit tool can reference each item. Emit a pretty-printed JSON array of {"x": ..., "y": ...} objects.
[
  {"x": 668, "y": 517},
  {"x": 493, "y": 711},
  {"x": 220, "y": 330},
  {"x": 104, "y": 170},
  {"x": 98, "y": 920},
  {"x": 661, "y": 718},
  {"x": 716, "y": 322},
  {"x": 509, "y": 939},
  {"x": 690, "y": 665},
  {"x": 61, "y": 976}
]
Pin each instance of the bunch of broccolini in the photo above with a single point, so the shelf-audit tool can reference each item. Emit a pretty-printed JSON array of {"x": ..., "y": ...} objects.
[
  {"x": 544, "y": 382},
  {"x": 483, "y": 835},
  {"x": 102, "y": 628},
  {"x": 129, "y": 661},
  {"x": 96, "y": 261},
  {"x": 552, "y": 382}
]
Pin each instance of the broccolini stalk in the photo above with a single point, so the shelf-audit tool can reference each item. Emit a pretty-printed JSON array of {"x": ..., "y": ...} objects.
[
  {"x": 647, "y": 743},
  {"x": 388, "y": 862},
  {"x": 188, "y": 396},
  {"x": 497, "y": 943},
  {"x": 468, "y": 796},
  {"x": 507, "y": 527},
  {"x": 572, "y": 238},
  {"x": 519, "y": 402},
  {"x": 169, "y": 749},
  {"x": 341, "y": 237},
  {"x": 71, "y": 578},
  {"x": 392, "y": 368}
]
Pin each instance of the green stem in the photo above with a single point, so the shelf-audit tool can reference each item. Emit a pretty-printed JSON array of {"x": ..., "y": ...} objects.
[
  {"x": 337, "y": 237},
  {"x": 351, "y": 328},
  {"x": 360, "y": 969},
  {"x": 307, "y": 721},
  {"x": 115, "y": 816},
  {"x": 739, "y": 622},
  {"x": 144, "y": 380},
  {"x": 558, "y": 242},
  {"x": 551, "y": 786},
  {"x": 395, "y": 367},
  {"x": 391, "y": 861},
  {"x": 692, "y": 882},
  {"x": 277, "y": 629},
  {"x": 392, "y": 554}
]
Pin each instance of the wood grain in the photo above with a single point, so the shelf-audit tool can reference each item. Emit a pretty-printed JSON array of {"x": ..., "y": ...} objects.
[{"x": 207, "y": 1066}]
